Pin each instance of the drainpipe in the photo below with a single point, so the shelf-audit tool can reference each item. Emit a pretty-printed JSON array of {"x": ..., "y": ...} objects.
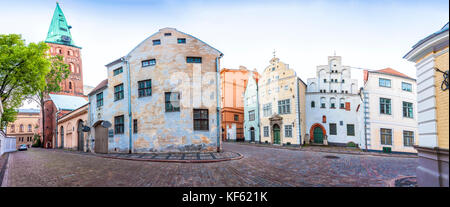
[
  {"x": 298, "y": 118},
  {"x": 218, "y": 101},
  {"x": 130, "y": 118},
  {"x": 365, "y": 119}
]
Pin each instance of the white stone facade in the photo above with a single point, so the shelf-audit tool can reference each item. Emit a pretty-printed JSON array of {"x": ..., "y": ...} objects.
[{"x": 333, "y": 105}]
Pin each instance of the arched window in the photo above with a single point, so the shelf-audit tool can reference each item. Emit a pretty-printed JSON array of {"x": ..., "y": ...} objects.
[
  {"x": 333, "y": 103},
  {"x": 341, "y": 103},
  {"x": 21, "y": 128},
  {"x": 72, "y": 67},
  {"x": 70, "y": 85},
  {"x": 70, "y": 52},
  {"x": 29, "y": 127},
  {"x": 323, "y": 102},
  {"x": 313, "y": 104},
  {"x": 13, "y": 128}
]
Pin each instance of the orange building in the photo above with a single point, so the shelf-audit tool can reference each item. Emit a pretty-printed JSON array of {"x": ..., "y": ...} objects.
[{"x": 233, "y": 84}]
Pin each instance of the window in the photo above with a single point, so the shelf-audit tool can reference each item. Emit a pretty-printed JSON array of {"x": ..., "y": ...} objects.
[
  {"x": 385, "y": 82},
  {"x": 385, "y": 106},
  {"x": 267, "y": 109},
  {"x": 99, "y": 99},
  {"x": 118, "y": 92},
  {"x": 288, "y": 130},
  {"x": 70, "y": 85},
  {"x": 286, "y": 87},
  {"x": 408, "y": 138},
  {"x": 266, "y": 131},
  {"x": 118, "y": 71},
  {"x": 236, "y": 117},
  {"x": 119, "y": 124},
  {"x": 342, "y": 103},
  {"x": 181, "y": 40},
  {"x": 201, "y": 119},
  {"x": 407, "y": 109},
  {"x": 324, "y": 80},
  {"x": 145, "y": 88},
  {"x": 168, "y": 34},
  {"x": 322, "y": 102},
  {"x": 341, "y": 123},
  {"x": 193, "y": 59},
  {"x": 313, "y": 104},
  {"x": 406, "y": 86},
  {"x": 29, "y": 127},
  {"x": 13, "y": 128},
  {"x": 333, "y": 129},
  {"x": 350, "y": 130},
  {"x": 172, "y": 100},
  {"x": 284, "y": 106},
  {"x": 150, "y": 62},
  {"x": 333, "y": 103},
  {"x": 251, "y": 115},
  {"x": 135, "y": 125},
  {"x": 386, "y": 136},
  {"x": 21, "y": 128},
  {"x": 343, "y": 81},
  {"x": 156, "y": 42}
]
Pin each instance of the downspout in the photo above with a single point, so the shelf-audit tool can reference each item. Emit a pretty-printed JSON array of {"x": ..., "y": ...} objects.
[
  {"x": 298, "y": 118},
  {"x": 218, "y": 101},
  {"x": 130, "y": 118},
  {"x": 365, "y": 118}
]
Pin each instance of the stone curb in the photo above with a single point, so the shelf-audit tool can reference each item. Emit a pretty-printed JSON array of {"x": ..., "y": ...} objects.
[{"x": 325, "y": 151}]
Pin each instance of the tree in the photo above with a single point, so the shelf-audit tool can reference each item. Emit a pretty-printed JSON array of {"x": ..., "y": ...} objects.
[
  {"x": 58, "y": 72},
  {"x": 23, "y": 69}
]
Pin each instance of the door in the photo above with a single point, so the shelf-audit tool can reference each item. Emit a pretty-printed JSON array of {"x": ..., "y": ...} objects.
[
  {"x": 80, "y": 136},
  {"x": 62, "y": 137},
  {"x": 276, "y": 134},
  {"x": 318, "y": 135},
  {"x": 101, "y": 139},
  {"x": 252, "y": 134}
]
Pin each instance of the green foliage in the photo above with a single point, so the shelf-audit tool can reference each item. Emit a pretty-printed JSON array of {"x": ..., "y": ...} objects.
[
  {"x": 36, "y": 141},
  {"x": 9, "y": 115},
  {"x": 23, "y": 69}
]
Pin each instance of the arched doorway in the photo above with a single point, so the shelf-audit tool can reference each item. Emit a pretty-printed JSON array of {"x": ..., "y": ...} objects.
[
  {"x": 317, "y": 133},
  {"x": 252, "y": 134},
  {"x": 80, "y": 135},
  {"x": 101, "y": 138},
  {"x": 62, "y": 137},
  {"x": 276, "y": 134}
]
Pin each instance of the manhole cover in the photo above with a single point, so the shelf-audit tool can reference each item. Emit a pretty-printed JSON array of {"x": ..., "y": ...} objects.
[
  {"x": 331, "y": 157},
  {"x": 406, "y": 182}
]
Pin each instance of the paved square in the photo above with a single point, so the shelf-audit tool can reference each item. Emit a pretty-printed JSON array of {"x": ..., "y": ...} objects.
[{"x": 261, "y": 166}]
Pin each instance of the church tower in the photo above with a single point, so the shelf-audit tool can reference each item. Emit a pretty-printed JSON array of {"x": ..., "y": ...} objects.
[{"x": 61, "y": 43}]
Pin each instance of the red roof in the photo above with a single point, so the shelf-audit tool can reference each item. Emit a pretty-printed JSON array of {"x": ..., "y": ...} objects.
[
  {"x": 99, "y": 86},
  {"x": 392, "y": 72}
]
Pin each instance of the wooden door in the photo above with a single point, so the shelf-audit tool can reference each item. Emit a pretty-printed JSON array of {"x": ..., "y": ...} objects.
[
  {"x": 318, "y": 135},
  {"x": 101, "y": 139},
  {"x": 276, "y": 134}
]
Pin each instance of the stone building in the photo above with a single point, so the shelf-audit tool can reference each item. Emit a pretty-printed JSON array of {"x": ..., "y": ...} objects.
[
  {"x": 281, "y": 102},
  {"x": 430, "y": 56},
  {"x": 390, "y": 111},
  {"x": 70, "y": 130},
  {"x": 251, "y": 109},
  {"x": 24, "y": 127},
  {"x": 333, "y": 104},
  {"x": 163, "y": 95},
  {"x": 61, "y": 43},
  {"x": 233, "y": 84}
]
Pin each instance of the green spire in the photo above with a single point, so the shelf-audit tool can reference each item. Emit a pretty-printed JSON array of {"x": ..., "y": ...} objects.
[{"x": 59, "y": 31}]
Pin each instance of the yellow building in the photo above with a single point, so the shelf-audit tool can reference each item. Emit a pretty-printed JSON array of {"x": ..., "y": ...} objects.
[
  {"x": 24, "y": 127},
  {"x": 282, "y": 105},
  {"x": 431, "y": 58}
]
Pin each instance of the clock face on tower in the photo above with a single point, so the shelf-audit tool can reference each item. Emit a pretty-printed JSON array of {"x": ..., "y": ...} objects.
[{"x": 65, "y": 38}]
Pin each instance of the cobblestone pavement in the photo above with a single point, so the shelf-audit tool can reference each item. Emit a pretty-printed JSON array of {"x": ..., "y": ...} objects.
[{"x": 261, "y": 166}]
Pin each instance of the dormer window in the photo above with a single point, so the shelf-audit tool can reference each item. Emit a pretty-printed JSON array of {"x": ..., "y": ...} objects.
[
  {"x": 181, "y": 40},
  {"x": 156, "y": 42},
  {"x": 150, "y": 62},
  {"x": 168, "y": 34}
]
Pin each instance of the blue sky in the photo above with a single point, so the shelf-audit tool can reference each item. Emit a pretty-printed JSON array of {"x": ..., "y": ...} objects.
[{"x": 367, "y": 34}]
